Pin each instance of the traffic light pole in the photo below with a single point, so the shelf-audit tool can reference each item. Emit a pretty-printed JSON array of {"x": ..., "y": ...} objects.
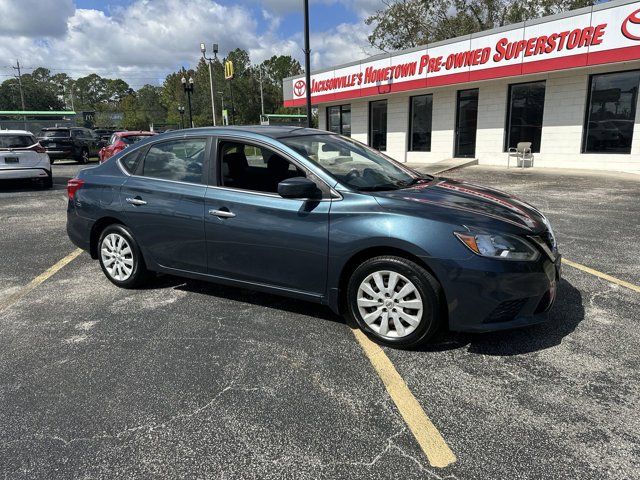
[{"x": 233, "y": 106}]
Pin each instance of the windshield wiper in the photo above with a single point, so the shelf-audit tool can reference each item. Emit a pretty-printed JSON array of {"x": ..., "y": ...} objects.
[
  {"x": 412, "y": 182},
  {"x": 378, "y": 188}
]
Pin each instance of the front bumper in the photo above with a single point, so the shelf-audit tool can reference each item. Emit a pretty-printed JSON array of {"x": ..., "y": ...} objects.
[
  {"x": 23, "y": 173},
  {"x": 485, "y": 295}
]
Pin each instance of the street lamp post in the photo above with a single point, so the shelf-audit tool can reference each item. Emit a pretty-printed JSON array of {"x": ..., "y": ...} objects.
[
  {"x": 203, "y": 49},
  {"x": 181, "y": 112},
  {"x": 221, "y": 106},
  {"x": 188, "y": 88}
]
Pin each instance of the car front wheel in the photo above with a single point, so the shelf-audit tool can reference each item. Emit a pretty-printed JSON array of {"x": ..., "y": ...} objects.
[
  {"x": 84, "y": 156},
  {"x": 395, "y": 301},
  {"x": 120, "y": 257}
]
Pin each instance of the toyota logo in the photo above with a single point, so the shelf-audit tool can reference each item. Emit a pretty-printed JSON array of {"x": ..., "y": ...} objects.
[
  {"x": 299, "y": 88},
  {"x": 632, "y": 22}
]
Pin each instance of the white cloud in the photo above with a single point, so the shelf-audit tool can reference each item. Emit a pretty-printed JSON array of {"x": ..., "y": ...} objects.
[
  {"x": 145, "y": 40},
  {"x": 35, "y": 17},
  {"x": 345, "y": 43}
]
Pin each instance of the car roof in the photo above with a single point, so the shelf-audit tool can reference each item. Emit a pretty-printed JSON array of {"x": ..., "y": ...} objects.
[
  {"x": 15, "y": 132},
  {"x": 266, "y": 130},
  {"x": 127, "y": 133}
]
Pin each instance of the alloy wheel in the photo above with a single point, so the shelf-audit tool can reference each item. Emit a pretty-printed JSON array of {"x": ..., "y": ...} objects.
[
  {"x": 117, "y": 257},
  {"x": 390, "y": 304}
]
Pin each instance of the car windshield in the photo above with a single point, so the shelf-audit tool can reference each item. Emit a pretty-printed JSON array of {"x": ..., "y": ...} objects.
[
  {"x": 16, "y": 141},
  {"x": 131, "y": 139},
  {"x": 352, "y": 163},
  {"x": 55, "y": 133}
]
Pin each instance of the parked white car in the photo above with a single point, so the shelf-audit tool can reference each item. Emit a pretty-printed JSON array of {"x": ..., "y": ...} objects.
[{"x": 22, "y": 157}]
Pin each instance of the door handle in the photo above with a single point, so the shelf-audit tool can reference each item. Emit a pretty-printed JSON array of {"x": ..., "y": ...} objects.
[
  {"x": 222, "y": 213},
  {"x": 136, "y": 201}
]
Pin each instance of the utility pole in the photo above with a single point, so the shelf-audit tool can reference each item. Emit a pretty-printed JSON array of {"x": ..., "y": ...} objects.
[
  {"x": 307, "y": 61},
  {"x": 261, "y": 94},
  {"x": 19, "y": 77}
]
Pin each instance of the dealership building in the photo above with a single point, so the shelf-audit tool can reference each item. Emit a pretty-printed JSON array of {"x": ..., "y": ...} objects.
[{"x": 568, "y": 84}]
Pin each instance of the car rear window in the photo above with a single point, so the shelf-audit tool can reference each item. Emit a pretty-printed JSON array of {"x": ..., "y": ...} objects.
[
  {"x": 131, "y": 139},
  {"x": 16, "y": 141},
  {"x": 55, "y": 133}
]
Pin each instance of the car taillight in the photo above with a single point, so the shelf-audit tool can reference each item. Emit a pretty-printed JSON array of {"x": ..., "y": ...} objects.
[
  {"x": 38, "y": 148},
  {"x": 73, "y": 186}
]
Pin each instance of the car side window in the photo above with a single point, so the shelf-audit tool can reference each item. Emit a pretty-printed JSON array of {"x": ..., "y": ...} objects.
[
  {"x": 131, "y": 160},
  {"x": 249, "y": 167},
  {"x": 179, "y": 160}
]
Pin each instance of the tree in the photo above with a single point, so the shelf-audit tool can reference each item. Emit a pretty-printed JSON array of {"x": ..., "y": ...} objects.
[
  {"x": 39, "y": 92},
  {"x": 409, "y": 23}
]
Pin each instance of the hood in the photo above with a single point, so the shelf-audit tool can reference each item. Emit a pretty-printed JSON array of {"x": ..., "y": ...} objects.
[{"x": 472, "y": 199}]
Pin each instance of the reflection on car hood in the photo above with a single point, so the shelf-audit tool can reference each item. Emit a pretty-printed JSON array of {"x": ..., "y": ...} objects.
[{"x": 474, "y": 199}]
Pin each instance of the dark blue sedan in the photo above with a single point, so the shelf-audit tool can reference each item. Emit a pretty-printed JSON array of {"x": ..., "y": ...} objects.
[{"x": 320, "y": 217}]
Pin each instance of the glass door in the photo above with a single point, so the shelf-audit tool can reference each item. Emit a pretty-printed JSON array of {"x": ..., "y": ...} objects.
[{"x": 466, "y": 123}]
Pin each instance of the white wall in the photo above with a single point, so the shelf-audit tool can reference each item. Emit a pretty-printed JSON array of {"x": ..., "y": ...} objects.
[{"x": 565, "y": 104}]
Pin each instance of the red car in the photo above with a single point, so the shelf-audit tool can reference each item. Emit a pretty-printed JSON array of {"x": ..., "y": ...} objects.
[{"x": 121, "y": 140}]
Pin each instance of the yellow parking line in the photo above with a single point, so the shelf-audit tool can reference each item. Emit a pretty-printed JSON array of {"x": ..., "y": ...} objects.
[
  {"x": 433, "y": 445},
  {"x": 604, "y": 276},
  {"x": 38, "y": 280}
]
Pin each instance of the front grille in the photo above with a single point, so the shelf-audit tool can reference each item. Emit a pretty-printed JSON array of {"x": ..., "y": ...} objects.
[{"x": 506, "y": 311}]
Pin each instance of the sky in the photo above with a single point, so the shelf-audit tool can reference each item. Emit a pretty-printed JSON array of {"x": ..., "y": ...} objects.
[{"x": 143, "y": 40}]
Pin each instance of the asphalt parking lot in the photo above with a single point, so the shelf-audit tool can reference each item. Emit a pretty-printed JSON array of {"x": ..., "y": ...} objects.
[{"x": 191, "y": 380}]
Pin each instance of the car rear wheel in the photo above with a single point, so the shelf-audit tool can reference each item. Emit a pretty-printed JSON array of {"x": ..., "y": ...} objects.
[
  {"x": 120, "y": 257},
  {"x": 395, "y": 301}
]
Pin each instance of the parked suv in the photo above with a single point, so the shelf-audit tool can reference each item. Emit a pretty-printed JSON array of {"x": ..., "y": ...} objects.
[
  {"x": 70, "y": 142},
  {"x": 22, "y": 157}
]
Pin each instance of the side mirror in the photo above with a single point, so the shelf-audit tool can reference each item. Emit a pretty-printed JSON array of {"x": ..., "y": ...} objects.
[{"x": 298, "y": 187}]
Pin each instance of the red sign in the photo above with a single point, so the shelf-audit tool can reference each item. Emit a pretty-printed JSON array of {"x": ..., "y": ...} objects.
[
  {"x": 630, "y": 26},
  {"x": 595, "y": 37}
]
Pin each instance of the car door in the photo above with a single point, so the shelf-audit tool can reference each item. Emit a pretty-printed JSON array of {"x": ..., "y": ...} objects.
[
  {"x": 164, "y": 202},
  {"x": 252, "y": 233}
]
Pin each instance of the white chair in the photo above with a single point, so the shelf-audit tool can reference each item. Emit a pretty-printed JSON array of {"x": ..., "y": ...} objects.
[{"x": 522, "y": 152}]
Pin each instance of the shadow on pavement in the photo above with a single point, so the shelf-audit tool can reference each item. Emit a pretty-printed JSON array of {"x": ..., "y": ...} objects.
[
  {"x": 565, "y": 315},
  {"x": 252, "y": 297}
]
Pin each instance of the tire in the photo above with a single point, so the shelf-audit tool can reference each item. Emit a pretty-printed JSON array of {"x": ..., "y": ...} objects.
[
  {"x": 131, "y": 271},
  {"x": 47, "y": 183},
  {"x": 84, "y": 156},
  {"x": 420, "y": 301}
]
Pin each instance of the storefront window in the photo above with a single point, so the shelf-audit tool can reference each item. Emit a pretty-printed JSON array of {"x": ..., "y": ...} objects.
[
  {"x": 611, "y": 112},
  {"x": 524, "y": 114},
  {"x": 420, "y": 123},
  {"x": 339, "y": 119},
  {"x": 378, "y": 125}
]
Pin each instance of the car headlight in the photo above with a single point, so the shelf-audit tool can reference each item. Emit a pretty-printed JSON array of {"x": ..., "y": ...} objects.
[{"x": 499, "y": 246}]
